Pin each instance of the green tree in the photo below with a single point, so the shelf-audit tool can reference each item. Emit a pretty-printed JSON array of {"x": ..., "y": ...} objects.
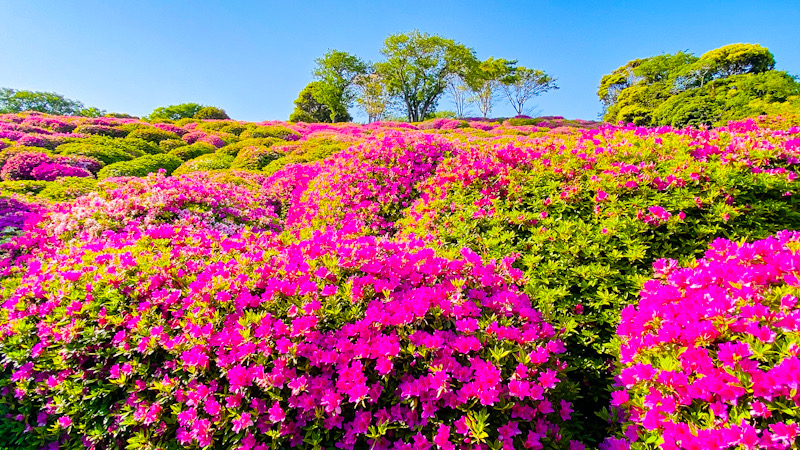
[
  {"x": 373, "y": 97},
  {"x": 211, "y": 112},
  {"x": 728, "y": 83},
  {"x": 418, "y": 66},
  {"x": 14, "y": 101},
  {"x": 485, "y": 79},
  {"x": 738, "y": 59},
  {"x": 336, "y": 73},
  {"x": 308, "y": 109},
  {"x": 523, "y": 84},
  {"x": 174, "y": 112}
]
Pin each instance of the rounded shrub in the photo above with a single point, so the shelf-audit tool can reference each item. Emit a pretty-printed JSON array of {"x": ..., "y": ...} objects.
[
  {"x": 21, "y": 166},
  {"x": 68, "y": 188},
  {"x": 90, "y": 164},
  {"x": 107, "y": 154},
  {"x": 709, "y": 356},
  {"x": 233, "y": 149},
  {"x": 211, "y": 112},
  {"x": 270, "y": 131},
  {"x": 522, "y": 121},
  {"x": 212, "y": 161},
  {"x": 168, "y": 145},
  {"x": 140, "y": 167},
  {"x": 100, "y": 130},
  {"x": 153, "y": 134},
  {"x": 255, "y": 158},
  {"x": 139, "y": 145},
  {"x": 192, "y": 151},
  {"x": 23, "y": 187},
  {"x": 53, "y": 171}
]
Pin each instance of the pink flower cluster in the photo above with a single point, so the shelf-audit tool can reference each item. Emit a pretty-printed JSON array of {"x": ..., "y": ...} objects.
[{"x": 710, "y": 354}]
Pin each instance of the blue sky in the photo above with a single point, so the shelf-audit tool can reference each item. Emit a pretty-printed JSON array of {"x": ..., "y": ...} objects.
[{"x": 253, "y": 57}]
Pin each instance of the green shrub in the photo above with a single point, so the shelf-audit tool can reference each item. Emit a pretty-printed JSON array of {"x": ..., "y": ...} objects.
[
  {"x": 212, "y": 161},
  {"x": 168, "y": 145},
  {"x": 234, "y": 128},
  {"x": 211, "y": 112},
  {"x": 140, "y": 145},
  {"x": 25, "y": 187},
  {"x": 192, "y": 151},
  {"x": 255, "y": 158},
  {"x": 140, "y": 167},
  {"x": 153, "y": 134},
  {"x": 100, "y": 130},
  {"x": 108, "y": 154},
  {"x": 233, "y": 149},
  {"x": 270, "y": 131},
  {"x": 68, "y": 188},
  {"x": 521, "y": 121}
]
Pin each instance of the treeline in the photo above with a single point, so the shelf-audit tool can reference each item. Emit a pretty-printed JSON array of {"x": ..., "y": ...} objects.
[
  {"x": 729, "y": 83},
  {"x": 418, "y": 70}
]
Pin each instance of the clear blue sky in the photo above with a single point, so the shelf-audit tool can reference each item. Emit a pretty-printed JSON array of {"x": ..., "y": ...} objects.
[{"x": 253, "y": 57}]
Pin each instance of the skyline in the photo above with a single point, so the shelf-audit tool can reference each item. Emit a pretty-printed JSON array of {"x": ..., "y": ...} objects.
[{"x": 252, "y": 59}]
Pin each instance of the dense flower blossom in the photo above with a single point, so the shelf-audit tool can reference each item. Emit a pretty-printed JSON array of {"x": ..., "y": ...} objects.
[{"x": 710, "y": 352}]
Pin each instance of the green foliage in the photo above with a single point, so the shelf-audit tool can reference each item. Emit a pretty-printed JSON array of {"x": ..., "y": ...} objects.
[
  {"x": 485, "y": 79},
  {"x": 255, "y": 157},
  {"x": 167, "y": 145},
  {"x": 152, "y": 134},
  {"x": 274, "y": 131},
  {"x": 24, "y": 187},
  {"x": 106, "y": 150},
  {"x": 174, "y": 112},
  {"x": 728, "y": 83},
  {"x": 336, "y": 73},
  {"x": 213, "y": 161},
  {"x": 68, "y": 188},
  {"x": 145, "y": 147},
  {"x": 310, "y": 150},
  {"x": 192, "y": 151},
  {"x": 211, "y": 112},
  {"x": 14, "y": 101},
  {"x": 233, "y": 149},
  {"x": 418, "y": 66},
  {"x": 100, "y": 130},
  {"x": 140, "y": 167},
  {"x": 308, "y": 109}
]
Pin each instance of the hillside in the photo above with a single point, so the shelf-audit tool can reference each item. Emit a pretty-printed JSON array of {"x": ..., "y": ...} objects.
[{"x": 393, "y": 285}]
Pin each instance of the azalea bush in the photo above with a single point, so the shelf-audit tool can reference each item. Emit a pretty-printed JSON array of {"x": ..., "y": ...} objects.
[
  {"x": 142, "y": 166},
  {"x": 709, "y": 356}
]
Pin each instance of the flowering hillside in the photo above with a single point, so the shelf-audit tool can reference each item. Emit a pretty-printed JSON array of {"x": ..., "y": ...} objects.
[{"x": 443, "y": 285}]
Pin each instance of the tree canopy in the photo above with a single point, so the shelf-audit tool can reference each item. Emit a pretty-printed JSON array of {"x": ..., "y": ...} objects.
[
  {"x": 418, "y": 66},
  {"x": 336, "y": 73},
  {"x": 175, "y": 112},
  {"x": 309, "y": 109},
  {"x": 728, "y": 83},
  {"x": 13, "y": 101}
]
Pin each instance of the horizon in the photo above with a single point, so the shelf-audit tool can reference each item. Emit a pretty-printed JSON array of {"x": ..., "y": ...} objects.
[{"x": 253, "y": 59}]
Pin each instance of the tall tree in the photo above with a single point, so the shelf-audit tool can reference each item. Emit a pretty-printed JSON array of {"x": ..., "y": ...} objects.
[
  {"x": 523, "y": 84},
  {"x": 336, "y": 73},
  {"x": 13, "y": 101},
  {"x": 308, "y": 109},
  {"x": 418, "y": 66},
  {"x": 485, "y": 79},
  {"x": 459, "y": 91},
  {"x": 373, "y": 97}
]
